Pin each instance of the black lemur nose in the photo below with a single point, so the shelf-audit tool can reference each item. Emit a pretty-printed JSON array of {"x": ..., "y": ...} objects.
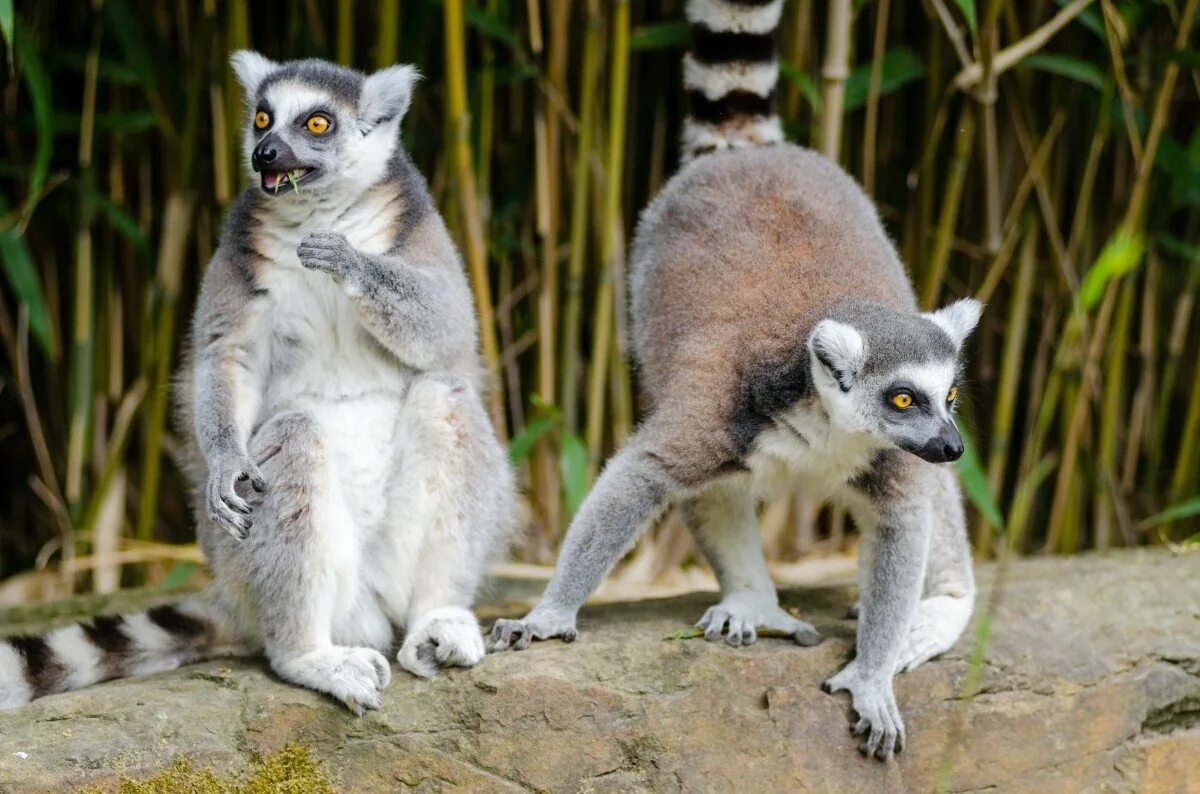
[
  {"x": 953, "y": 450},
  {"x": 263, "y": 156}
]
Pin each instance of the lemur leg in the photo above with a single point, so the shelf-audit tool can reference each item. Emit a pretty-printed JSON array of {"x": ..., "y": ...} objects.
[
  {"x": 898, "y": 504},
  {"x": 456, "y": 484},
  {"x": 286, "y": 565},
  {"x": 632, "y": 493},
  {"x": 945, "y": 609},
  {"x": 724, "y": 522}
]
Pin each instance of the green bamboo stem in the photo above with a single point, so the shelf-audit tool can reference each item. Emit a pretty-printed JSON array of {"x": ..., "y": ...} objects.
[
  {"x": 454, "y": 29},
  {"x": 345, "y": 32},
  {"x": 1107, "y": 485},
  {"x": 871, "y": 125},
  {"x": 612, "y": 236},
  {"x": 835, "y": 69},
  {"x": 577, "y": 254},
  {"x": 948, "y": 217},
  {"x": 387, "y": 45}
]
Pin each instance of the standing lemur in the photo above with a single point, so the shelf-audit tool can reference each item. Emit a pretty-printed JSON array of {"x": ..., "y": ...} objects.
[
  {"x": 347, "y": 480},
  {"x": 779, "y": 343}
]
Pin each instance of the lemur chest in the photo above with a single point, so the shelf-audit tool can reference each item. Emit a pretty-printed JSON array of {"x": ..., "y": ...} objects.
[
  {"x": 311, "y": 331},
  {"x": 803, "y": 449}
]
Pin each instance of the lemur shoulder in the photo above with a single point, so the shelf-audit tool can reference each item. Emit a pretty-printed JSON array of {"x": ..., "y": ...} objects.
[
  {"x": 347, "y": 481},
  {"x": 779, "y": 344}
]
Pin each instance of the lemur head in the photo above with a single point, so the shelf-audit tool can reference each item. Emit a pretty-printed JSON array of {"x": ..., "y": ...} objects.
[
  {"x": 894, "y": 375},
  {"x": 315, "y": 128}
]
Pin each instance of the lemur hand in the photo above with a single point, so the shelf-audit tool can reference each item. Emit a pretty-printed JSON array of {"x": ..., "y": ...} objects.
[
  {"x": 329, "y": 252},
  {"x": 875, "y": 702},
  {"x": 540, "y": 624},
  {"x": 225, "y": 507}
]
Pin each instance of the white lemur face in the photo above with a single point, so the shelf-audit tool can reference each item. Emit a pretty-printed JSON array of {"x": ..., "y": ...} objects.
[
  {"x": 894, "y": 376},
  {"x": 314, "y": 128}
]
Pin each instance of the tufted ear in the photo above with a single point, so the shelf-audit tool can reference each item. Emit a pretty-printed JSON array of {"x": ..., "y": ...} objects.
[
  {"x": 839, "y": 349},
  {"x": 386, "y": 94},
  {"x": 251, "y": 68},
  {"x": 958, "y": 319}
]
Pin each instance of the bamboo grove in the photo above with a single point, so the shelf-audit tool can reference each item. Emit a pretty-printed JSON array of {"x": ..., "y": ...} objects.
[{"x": 1042, "y": 155}]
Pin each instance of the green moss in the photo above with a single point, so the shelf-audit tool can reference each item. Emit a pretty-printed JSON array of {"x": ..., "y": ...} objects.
[{"x": 290, "y": 771}]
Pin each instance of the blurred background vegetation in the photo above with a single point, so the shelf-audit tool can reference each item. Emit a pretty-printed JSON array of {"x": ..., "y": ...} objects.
[{"x": 1042, "y": 155}]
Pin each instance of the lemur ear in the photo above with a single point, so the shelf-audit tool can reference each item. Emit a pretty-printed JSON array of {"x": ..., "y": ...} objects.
[
  {"x": 251, "y": 68},
  {"x": 386, "y": 94},
  {"x": 958, "y": 319},
  {"x": 840, "y": 349}
]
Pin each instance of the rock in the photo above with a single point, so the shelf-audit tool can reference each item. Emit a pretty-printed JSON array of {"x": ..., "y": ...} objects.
[{"x": 1092, "y": 682}]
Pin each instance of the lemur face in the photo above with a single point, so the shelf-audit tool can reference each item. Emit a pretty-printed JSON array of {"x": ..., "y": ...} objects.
[
  {"x": 314, "y": 128},
  {"x": 895, "y": 376}
]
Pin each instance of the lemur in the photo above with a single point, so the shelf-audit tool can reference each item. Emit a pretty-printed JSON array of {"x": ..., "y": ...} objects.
[
  {"x": 346, "y": 478},
  {"x": 779, "y": 343}
]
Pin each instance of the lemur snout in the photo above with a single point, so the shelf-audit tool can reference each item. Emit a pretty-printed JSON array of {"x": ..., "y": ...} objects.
[
  {"x": 273, "y": 153},
  {"x": 945, "y": 447}
]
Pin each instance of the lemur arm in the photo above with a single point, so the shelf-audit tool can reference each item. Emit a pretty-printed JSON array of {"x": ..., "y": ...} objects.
[
  {"x": 226, "y": 388},
  {"x": 897, "y": 510},
  {"x": 632, "y": 491},
  {"x": 417, "y": 305}
]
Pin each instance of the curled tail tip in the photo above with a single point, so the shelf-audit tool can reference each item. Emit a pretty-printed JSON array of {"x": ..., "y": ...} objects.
[
  {"x": 80, "y": 654},
  {"x": 730, "y": 74}
]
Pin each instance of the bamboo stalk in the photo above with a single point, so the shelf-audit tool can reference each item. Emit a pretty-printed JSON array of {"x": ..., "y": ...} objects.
[
  {"x": 871, "y": 125},
  {"x": 1110, "y": 419},
  {"x": 948, "y": 217},
  {"x": 577, "y": 254},
  {"x": 834, "y": 71},
  {"x": 1011, "y": 368},
  {"x": 387, "y": 46},
  {"x": 454, "y": 26},
  {"x": 612, "y": 237},
  {"x": 345, "y": 32}
]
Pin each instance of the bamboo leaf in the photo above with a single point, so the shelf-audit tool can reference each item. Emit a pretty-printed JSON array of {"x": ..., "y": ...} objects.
[
  {"x": 661, "y": 36},
  {"x": 6, "y": 26},
  {"x": 808, "y": 88},
  {"x": 1186, "y": 509},
  {"x": 522, "y": 443},
  {"x": 23, "y": 278},
  {"x": 1067, "y": 66},
  {"x": 491, "y": 25},
  {"x": 574, "y": 471},
  {"x": 968, "y": 11},
  {"x": 133, "y": 41},
  {"x": 1121, "y": 255},
  {"x": 975, "y": 483},
  {"x": 39, "y": 96},
  {"x": 901, "y": 66}
]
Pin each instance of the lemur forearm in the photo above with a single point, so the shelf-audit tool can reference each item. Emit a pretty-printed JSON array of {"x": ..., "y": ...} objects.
[
  {"x": 416, "y": 313},
  {"x": 630, "y": 493},
  {"x": 893, "y": 591}
]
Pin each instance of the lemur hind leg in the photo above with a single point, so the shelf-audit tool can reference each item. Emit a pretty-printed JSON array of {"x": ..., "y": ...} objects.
[
  {"x": 949, "y": 597},
  {"x": 287, "y": 566},
  {"x": 723, "y": 520},
  {"x": 455, "y": 490}
]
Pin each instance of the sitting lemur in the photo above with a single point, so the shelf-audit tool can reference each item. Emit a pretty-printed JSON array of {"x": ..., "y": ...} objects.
[
  {"x": 347, "y": 481},
  {"x": 779, "y": 344}
]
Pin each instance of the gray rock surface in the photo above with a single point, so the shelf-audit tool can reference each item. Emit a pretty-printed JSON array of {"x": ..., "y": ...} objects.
[{"x": 1092, "y": 682}]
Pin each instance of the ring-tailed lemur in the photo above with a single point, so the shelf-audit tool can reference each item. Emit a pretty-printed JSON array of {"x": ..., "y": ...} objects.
[
  {"x": 348, "y": 481},
  {"x": 779, "y": 343}
]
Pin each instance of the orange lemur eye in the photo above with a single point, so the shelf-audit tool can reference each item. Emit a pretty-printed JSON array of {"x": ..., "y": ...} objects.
[
  {"x": 262, "y": 119},
  {"x": 902, "y": 400},
  {"x": 317, "y": 125},
  {"x": 953, "y": 393}
]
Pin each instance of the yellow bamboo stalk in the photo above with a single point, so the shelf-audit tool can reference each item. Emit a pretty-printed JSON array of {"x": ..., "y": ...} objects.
[
  {"x": 871, "y": 125},
  {"x": 612, "y": 236},
  {"x": 454, "y": 26},
  {"x": 834, "y": 72},
  {"x": 948, "y": 217}
]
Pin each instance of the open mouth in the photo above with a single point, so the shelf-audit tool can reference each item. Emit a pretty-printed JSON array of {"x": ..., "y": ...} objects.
[{"x": 278, "y": 182}]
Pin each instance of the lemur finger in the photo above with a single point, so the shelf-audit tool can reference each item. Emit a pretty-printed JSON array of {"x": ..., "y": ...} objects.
[
  {"x": 872, "y": 743},
  {"x": 521, "y": 638},
  {"x": 860, "y": 727},
  {"x": 734, "y": 635}
]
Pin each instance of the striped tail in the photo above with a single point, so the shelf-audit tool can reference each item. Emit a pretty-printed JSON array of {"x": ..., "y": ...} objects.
[
  {"x": 81, "y": 654},
  {"x": 730, "y": 75}
]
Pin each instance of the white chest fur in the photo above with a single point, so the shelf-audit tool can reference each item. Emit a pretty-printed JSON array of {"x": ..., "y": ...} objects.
[
  {"x": 312, "y": 339},
  {"x": 803, "y": 448}
]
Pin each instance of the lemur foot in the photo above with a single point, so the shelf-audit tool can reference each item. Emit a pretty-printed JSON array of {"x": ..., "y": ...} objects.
[
  {"x": 444, "y": 637},
  {"x": 355, "y": 676},
  {"x": 540, "y": 624},
  {"x": 739, "y": 616},
  {"x": 936, "y": 626},
  {"x": 878, "y": 715}
]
